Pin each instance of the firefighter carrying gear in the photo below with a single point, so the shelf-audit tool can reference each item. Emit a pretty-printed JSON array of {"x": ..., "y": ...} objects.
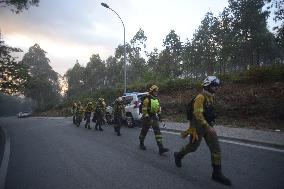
[
  {"x": 201, "y": 126},
  {"x": 88, "y": 113},
  {"x": 73, "y": 112},
  {"x": 100, "y": 112},
  {"x": 203, "y": 129},
  {"x": 118, "y": 112},
  {"x": 79, "y": 114},
  {"x": 150, "y": 110}
]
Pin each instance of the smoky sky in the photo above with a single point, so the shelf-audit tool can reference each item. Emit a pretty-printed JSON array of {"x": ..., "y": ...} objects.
[
  {"x": 73, "y": 29},
  {"x": 71, "y": 20}
]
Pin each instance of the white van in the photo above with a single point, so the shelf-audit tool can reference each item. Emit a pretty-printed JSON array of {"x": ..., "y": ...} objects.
[{"x": 132, "y": 102}]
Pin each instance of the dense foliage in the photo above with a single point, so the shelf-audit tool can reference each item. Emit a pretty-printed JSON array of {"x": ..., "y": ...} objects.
[
  {"x": 42, "y": 86},
  {"x": 13, "y": 75},
  {"x": 235, "y": 41},
  {"x": 18, "y": 6}
]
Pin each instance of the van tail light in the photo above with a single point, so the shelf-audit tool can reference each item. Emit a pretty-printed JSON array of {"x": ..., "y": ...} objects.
[{"x": 136, "y": 104}]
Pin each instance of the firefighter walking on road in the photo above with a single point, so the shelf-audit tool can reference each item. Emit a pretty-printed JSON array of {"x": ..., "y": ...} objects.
[
  {"x": 88, "y": 113},
  {"x": 201, "y": 126},
  {"x": 118, "y": 112},
  {"x": 100, "y": 113},
  {"x": 74, "y": 111},
  {"x": 79, "y": 114},
  {"x": 151, "y": 111}
]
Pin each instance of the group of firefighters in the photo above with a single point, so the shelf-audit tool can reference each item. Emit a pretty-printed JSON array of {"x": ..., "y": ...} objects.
[
  {"x": 201, "y": 124},
  {"x": 99, "y": 109}
]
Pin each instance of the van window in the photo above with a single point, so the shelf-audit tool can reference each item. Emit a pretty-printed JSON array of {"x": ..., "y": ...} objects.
[
  {"x": 140, "y": 97},
  {"x": 127, "y": 100}
]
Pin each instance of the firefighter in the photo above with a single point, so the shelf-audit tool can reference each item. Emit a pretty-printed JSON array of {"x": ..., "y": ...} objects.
[
  {"x": 79, "y": 114},
  {"x": 151, "y": 111},
  {"x": 201, "y": 126},
  {"x": 94, "y": 119},
  {"x": 100, "y": 112},
  {"x": 88, "y": 113},
  {"x": 118, "y": 112},
  {"x": 73, "y": 112}
]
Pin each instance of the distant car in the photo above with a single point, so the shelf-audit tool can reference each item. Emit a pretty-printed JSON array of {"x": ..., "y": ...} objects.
[
  {"x": 24, "y": 114},
  {"x": 132, "y": 102}
]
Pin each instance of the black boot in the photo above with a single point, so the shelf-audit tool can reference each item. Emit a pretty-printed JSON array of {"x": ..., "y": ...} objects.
[
  {"x": 74, "y": 121},
  {"x": 142, "y": 146},
  {"x": 115, "y": 129},
  {"x": 178, "y": 158},
  {"x": 100, "y": 128},
  {"x": 86, "y": 126},
  {"x": 96, "y": 127},
  {"x": 162, "y": 149},
  {"x": 219, "y": 177}
]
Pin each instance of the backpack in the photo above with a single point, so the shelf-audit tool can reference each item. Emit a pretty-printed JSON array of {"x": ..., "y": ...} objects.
[
  {"x": 141, "y": 104},
  {"x": 142, "y": 100},
  {"x": 189, "y": 109},
  {"x": 209, "y": 113}
]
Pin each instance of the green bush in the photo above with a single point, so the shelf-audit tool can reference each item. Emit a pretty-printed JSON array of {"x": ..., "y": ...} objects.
[
  {"x": 256, "y": 75},
  {"x": 262, "y": 74}
]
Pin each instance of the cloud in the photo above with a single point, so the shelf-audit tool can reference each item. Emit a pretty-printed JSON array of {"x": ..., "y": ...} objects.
[{"x": 70, "y": 30}]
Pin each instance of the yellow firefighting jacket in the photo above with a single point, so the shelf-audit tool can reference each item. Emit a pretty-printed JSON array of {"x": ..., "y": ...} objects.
[
  {"x": 199, "y": 109},
  {"x": 89, "y": 108},
  {"x": 151, "y": 106}
]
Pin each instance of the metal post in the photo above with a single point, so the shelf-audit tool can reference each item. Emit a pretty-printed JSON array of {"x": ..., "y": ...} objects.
[{"x": 106, "y": 6}]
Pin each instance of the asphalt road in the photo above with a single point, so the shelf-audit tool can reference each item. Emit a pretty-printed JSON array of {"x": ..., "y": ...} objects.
[{"x": 52, "y": 153}]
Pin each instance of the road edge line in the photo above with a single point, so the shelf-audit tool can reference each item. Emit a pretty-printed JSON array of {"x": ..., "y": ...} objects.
[{"x": 277, "y": 146}]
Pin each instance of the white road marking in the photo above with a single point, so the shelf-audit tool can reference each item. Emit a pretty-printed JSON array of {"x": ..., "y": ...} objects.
[{"x": 238, "y": 143}]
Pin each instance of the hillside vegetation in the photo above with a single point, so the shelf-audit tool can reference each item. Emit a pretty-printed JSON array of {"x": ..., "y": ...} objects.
[{"x": 254, "y": 98}]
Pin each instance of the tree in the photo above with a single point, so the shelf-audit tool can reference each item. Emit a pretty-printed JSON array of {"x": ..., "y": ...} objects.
[
  {"x": 188, "y": 66},
  {"x": 43, "y": 83},
  {"x": 75, "y": 79},
  {"x": 279, "y": 17},
  {"x": 170, "y": 57},
  {"x": 279, "y": 10},
  {"x": 205, "y": 47},
  {"x": 94, "y": 75},
  {"x": 136, "y": 61},
  {"x": 18, "y": 6},
  {"x": 225, "y": 38},
  {"x": 253, "y": 38},
  {"x": 13, "y": 75},
  {"x": 153, "y": 61},
  {"x": 114, "y": 72}
]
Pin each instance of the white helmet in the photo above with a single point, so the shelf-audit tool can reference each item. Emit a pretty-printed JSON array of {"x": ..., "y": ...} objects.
[
  {"x": 211, "y": 80},
  {"x": 119, "y": 99}
]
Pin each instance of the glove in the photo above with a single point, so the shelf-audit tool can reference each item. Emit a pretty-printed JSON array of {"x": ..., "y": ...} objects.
[{"x": 192, "y": 132}]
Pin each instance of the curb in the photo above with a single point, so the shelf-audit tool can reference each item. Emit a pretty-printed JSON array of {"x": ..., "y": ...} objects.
[
  {"x": 277, "y": 146},
  {"x": 5, "y": 159}
]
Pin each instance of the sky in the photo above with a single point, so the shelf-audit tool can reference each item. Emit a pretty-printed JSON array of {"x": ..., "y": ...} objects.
[{"x": 74, "y": 30}]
